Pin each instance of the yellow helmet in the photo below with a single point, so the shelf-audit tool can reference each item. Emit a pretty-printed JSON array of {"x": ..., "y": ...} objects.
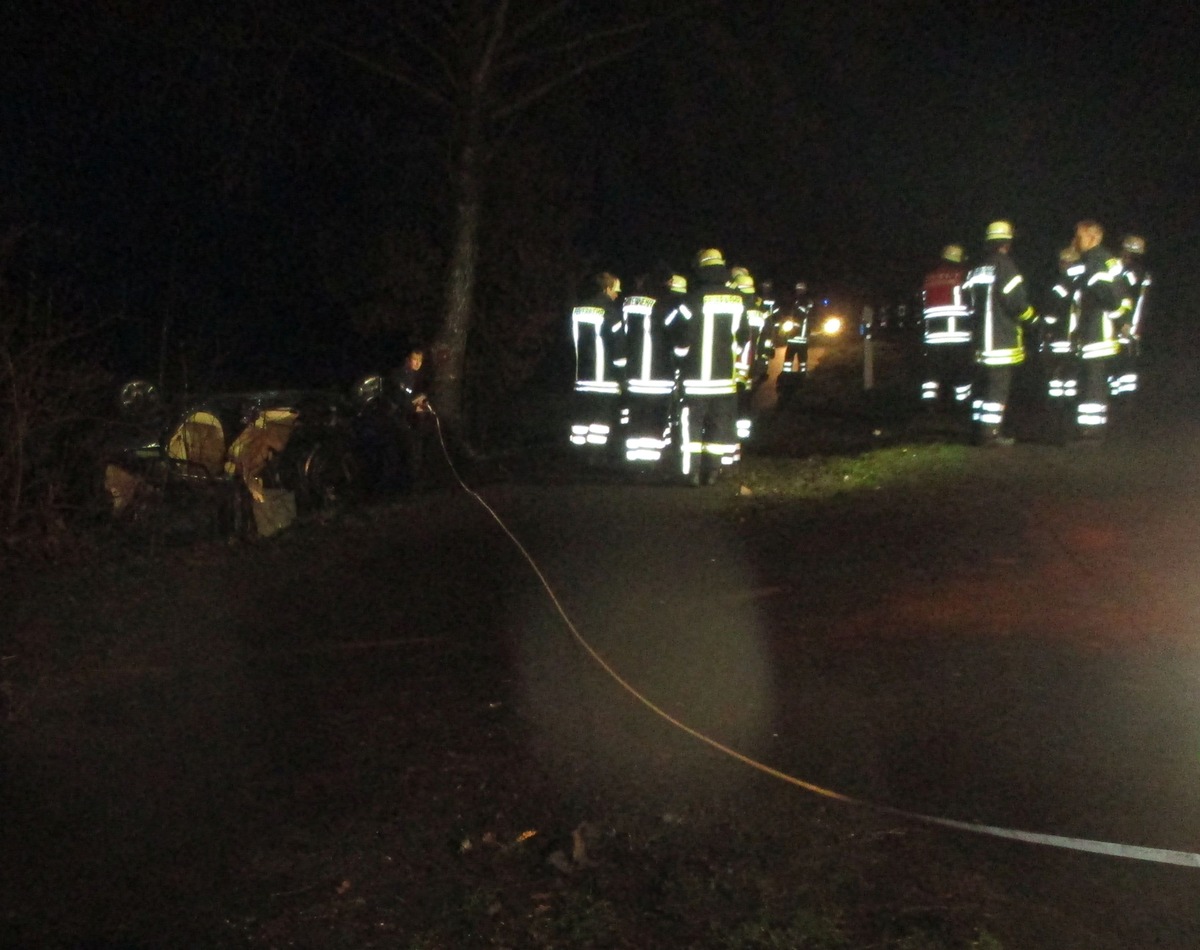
[
  {"x": 952, "y": 253},
  {"x": 677, "y": 284},
  {"x": 1133, "y": 244},
  {"x": 710, "y": 257},
  {"x": 999, "y": 231},
  {"x": 744, "y": 283}
]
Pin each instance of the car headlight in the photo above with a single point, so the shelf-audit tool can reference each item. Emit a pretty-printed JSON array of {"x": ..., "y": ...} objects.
[
  {"x": 831, "y": 326},
  {"x": 788, "y": 326}
]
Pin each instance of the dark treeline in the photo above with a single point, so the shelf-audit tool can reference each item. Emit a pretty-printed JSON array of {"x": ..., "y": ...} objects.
[{"x": 250, "y": 208}]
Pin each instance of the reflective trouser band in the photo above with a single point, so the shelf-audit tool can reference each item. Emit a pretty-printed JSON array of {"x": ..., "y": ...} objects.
[
  {"x": 987, "y": 413},
  {"x": 589, "y": 433},
  {"x": 1125, "y": 383}
]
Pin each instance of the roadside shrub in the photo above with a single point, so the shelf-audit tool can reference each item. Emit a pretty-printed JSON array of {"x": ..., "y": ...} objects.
[{"x": 52, "y": 392}]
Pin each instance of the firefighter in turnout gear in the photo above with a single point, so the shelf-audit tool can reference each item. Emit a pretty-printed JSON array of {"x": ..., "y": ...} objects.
[
  {"x": 754, "y": 320},
  {"x": 650, "y": 370},
  {"x": 598, "y": 333},
  {"x": 946, "y": 334},
  {"x": 1060, "y": 338},
  {"x": 1099, "y": 312},
  {"x": 1000, "y": 302},
  {"x": 1133, "y": 284},
  {"x": 764, "y": 350},
  {"x": 705, "y": 343},
  {"x": 793, "y": 334}
]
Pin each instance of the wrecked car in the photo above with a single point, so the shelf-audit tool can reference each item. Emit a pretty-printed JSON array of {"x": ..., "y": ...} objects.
[{"x": 232, "y": 462}]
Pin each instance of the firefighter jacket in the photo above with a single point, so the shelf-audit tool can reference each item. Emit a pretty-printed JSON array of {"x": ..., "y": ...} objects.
[
  {"x": 599, "y": 336},
  {"x": 795, "y": 325},
  {"x": 1000, "y": 302},
  {"x": 944, "y": 310},
  {"x": 1062, "y": 332},
  {"x": 753, "y": 322},
  {"x": 706, "y": 340},
  {"x": 1099, "y": 303},
  {"x": 650, "y": 367},
  {"x": 1133, "y": 283},
  {"x": 406, "y": 389},
  {"x": 764, "y": 349}
]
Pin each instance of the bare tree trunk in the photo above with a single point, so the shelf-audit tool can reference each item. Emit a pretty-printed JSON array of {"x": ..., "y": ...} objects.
[
  {"x": 16, "y": 463},
  {"x": 450, "y": 347},
  {"x": 482, "y": 63}
]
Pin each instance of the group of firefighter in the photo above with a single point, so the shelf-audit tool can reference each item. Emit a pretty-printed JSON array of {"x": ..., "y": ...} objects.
[
  {"x": 663, "y": 376},
  {"x": 977, "y": 320}
]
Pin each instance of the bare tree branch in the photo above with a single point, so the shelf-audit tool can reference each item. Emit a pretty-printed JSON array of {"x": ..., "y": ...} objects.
[
  {"x": 487, "y": 57},
  {"x": 544, "y": 15},
  {"x": 523, "y": 102},
  {"x": 369, "y": 64},
  {"x": 550, "y": 52},
  {"x": 453, "y": 80}
]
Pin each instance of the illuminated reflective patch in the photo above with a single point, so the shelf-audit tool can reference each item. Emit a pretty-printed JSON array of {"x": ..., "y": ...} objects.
[
  {"x": 1091, "y": 414},
  {"x": 1125, "y": 383}
]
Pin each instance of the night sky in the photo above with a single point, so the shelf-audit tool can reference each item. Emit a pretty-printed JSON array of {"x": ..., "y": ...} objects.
[{"x": 199, "y": 160}]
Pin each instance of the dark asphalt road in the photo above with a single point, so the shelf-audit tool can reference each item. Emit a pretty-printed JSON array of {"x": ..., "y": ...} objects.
[{"x": 1019, "y": 650}]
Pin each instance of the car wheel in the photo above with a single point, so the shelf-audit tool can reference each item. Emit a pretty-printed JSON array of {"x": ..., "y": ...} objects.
[{"x": 330, "y": 476}]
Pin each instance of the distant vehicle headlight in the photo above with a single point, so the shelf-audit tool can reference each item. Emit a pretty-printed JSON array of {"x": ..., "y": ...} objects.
[
  {"x": 788, "y": 326},
  {"x": 831, "y": 326}
]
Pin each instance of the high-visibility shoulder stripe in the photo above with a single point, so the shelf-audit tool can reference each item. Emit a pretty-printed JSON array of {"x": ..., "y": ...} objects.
[{"x": 681, "y": 311}]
